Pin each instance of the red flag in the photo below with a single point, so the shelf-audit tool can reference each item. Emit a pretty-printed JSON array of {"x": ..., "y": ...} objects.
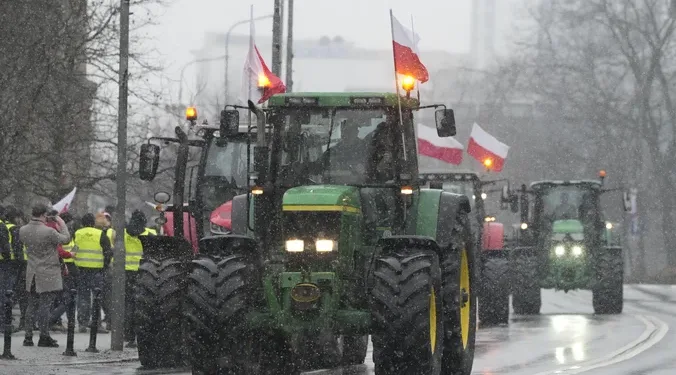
[
  {"x": 406, "y": 59},
  {"x": 487, "y": 149},
  {"x": 448, "y": 149},
  {"x": 258, "y": 83}
]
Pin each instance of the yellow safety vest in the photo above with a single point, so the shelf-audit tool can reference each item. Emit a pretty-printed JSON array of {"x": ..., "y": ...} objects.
[
  {"x": 134, "y": 250},
  {"x": 89, "y": 251},
  {"x": 110, "y": 233},
  {"x": 69, "y": 248},
  {"x": 11, "y": 249}
]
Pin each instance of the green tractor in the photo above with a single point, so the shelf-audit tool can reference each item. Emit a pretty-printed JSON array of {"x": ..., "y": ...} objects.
[
  {"x": 333, "y": 241},
  {"x": 564, "y": 243},
  {"x": 489, "y": 239}
]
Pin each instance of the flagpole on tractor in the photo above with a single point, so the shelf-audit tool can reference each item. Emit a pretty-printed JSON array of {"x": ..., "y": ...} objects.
[
  {"x": 396, "y": 83},
  {"x": 251, "y": 46},
  {"x": 417, "y": 87}
]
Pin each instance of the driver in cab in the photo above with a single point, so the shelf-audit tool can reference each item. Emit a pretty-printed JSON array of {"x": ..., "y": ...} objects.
[{"x": 565, "y": 210}]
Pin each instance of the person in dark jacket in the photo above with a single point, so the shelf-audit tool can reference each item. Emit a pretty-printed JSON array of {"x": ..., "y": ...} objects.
[
  {"x": 11, "y": 253},
  {"x": 69, "y": 276},
  {"x": 92, "y": 256},
  {"x": 20, "y": 293}
]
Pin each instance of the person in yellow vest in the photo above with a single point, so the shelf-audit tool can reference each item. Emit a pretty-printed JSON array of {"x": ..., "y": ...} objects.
[
  {"x": 92, "y": 256},
  {"x": 133, "y": 253},
  {"x": 11, "y": 253}
]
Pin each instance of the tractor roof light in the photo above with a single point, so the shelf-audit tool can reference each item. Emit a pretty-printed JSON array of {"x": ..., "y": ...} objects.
[
  {"x": 602, "y": 173},
  {"x": 263, "y": 81},
  {"x": 191, "y": 114},
  {"x": 489, "y": 219},
  {"x": 408, "y": 83},
  {"x": 407, "y": 190},
  {"x": 256, "y": 190}
]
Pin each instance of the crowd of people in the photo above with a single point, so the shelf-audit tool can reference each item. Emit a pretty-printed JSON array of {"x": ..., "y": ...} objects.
[{"x": 45, "y": 256}]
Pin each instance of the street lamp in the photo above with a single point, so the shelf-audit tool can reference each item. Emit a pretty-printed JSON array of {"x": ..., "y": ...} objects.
[
  {"x": 180, "y": 87},
  {"x": 227, "y": 47}
]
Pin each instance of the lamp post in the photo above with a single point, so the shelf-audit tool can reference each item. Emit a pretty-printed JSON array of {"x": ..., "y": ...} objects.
[
  {"x": 227, "y": 47},
  {"x": 180, "y": 87}
]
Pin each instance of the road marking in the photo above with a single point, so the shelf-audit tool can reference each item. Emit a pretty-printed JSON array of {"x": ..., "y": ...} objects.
[{"x": 654, "y": 332}]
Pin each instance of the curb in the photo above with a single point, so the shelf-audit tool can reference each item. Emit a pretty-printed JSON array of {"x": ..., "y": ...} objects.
[{"x": 92, "y": 362}]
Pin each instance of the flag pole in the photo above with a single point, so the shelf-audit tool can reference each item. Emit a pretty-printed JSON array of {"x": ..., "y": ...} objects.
[
  {"x": 417, "y": 86},
  {"x": 251, "y": 44},
  {"x": 396, "y": 82}
]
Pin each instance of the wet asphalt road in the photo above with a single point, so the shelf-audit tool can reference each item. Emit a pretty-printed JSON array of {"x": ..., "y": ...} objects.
[{"x": 565, "y": 339}]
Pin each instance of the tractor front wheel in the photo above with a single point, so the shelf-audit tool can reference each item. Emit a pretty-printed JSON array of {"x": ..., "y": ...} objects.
[
  {"x": 159, "y": 301},
  {"x": 218, "y": 299},
  {"x": 460, "y": 283},
  {"x": 494, "y": 298},
  {"x": 406, "y": 305},
  {"x": 608, "y": 295},
  {"x": 526, "y": 296}
]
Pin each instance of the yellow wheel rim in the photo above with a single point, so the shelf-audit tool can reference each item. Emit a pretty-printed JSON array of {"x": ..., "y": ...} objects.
[
  {"x": 465, "y": 307},
  {"x": 433, "y": 320}
]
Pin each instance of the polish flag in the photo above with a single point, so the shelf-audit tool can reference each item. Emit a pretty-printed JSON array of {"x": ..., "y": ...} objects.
[
  {"x": 447, "y": 149},
  {"x": 65, "y": 203},
  {"x": 406, "y": 56},
  {"x": 258, "y": 82},
  {"x": 487, "y": 149}
]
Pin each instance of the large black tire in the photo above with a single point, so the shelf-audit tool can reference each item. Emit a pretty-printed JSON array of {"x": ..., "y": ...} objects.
[
  {"x": 217, "y": 302},
  {"x": 460, "y": 300},
  {"x": 494, "y": 298},
  {"x": 608, "y": 294},
  {"x": 159, "y": 300},
  {"x": 407, "y": 311},
  {"x": 526, "y": 294}
]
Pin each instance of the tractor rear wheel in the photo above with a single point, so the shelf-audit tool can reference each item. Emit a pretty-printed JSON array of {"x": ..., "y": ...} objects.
[
  {"x": 159, "y": 301},
  {"x": 608, "y": 295},
  {"x": 406, "y": 304},
  {"x": 494, "y": 298},
  {"x": 460, "y": 271},
  {"x": 526, "y": 296},
  {"x": 217, "y": 301}
]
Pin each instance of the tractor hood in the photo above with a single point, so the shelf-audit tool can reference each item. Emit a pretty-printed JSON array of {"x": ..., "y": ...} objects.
[
  {"x": 567, "y": 228},
  {"x": 322, "y": 197}
]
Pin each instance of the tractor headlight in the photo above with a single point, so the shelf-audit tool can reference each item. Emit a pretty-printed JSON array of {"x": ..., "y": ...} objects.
[
  {"x": 577, "y": 250},
  {"x": 323, "y": 245},
  {"x": 295, "y": 246},
  {"x": 559, "y": 250}
]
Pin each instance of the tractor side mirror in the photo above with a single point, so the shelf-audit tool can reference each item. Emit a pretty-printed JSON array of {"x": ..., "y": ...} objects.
[
  {"x": 514, "y": 203},
  {"x": 524, "y": 204},
  {"x": 445, "y": 120},
  {"x": 626, "y": 200},
  {"x": 149, "y": 161},
  {"x": 162, "y": 197},
  {"x": 229, "y": 122}
]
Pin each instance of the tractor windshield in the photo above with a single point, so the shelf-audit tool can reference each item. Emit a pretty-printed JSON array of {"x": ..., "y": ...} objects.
[
  {"x": 225, "y": 171},
  {"x": 567, "y": 202},
  {"x": 338, "y": 146}
]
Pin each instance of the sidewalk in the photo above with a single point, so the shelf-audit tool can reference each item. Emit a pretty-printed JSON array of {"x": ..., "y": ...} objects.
[{"x": 37, "y": 356}]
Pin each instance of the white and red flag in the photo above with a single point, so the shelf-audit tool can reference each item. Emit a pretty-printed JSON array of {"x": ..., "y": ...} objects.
[
  {"x": 405, "y": 49},
  {"x": 258, "y": 82},
  {"x": 448, "y": 149},
  {"x": 487, "y": 149},
  {"x": 65, "y": 202}
]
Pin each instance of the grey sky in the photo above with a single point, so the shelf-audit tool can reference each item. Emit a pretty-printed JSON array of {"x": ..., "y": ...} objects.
[{"x": 442, "y": 24}]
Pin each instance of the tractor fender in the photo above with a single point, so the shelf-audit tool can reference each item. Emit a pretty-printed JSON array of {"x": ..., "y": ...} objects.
[
  {"x": 493, "y": 236},
  {"x": 165, "y": 247},
  {"x": 450, "y": 206},
  {"x": 392, "y": 244},
  {"x": 229, "y": 244}
]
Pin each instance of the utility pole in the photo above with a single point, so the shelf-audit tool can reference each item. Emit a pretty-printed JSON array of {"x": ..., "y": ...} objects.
[
  {"x": 117, "y": 305},
  {"x": 277, "y": 31},
  {"x": 289, "y": 49}
]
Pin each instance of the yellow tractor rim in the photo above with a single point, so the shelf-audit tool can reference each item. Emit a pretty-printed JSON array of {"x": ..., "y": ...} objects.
[
  {"x": 465, "y": 307},
  {"x": 433, "y": 320}
]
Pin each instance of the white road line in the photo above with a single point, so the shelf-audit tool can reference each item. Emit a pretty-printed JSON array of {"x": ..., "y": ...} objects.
[{"x": 654, "y": 332}]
